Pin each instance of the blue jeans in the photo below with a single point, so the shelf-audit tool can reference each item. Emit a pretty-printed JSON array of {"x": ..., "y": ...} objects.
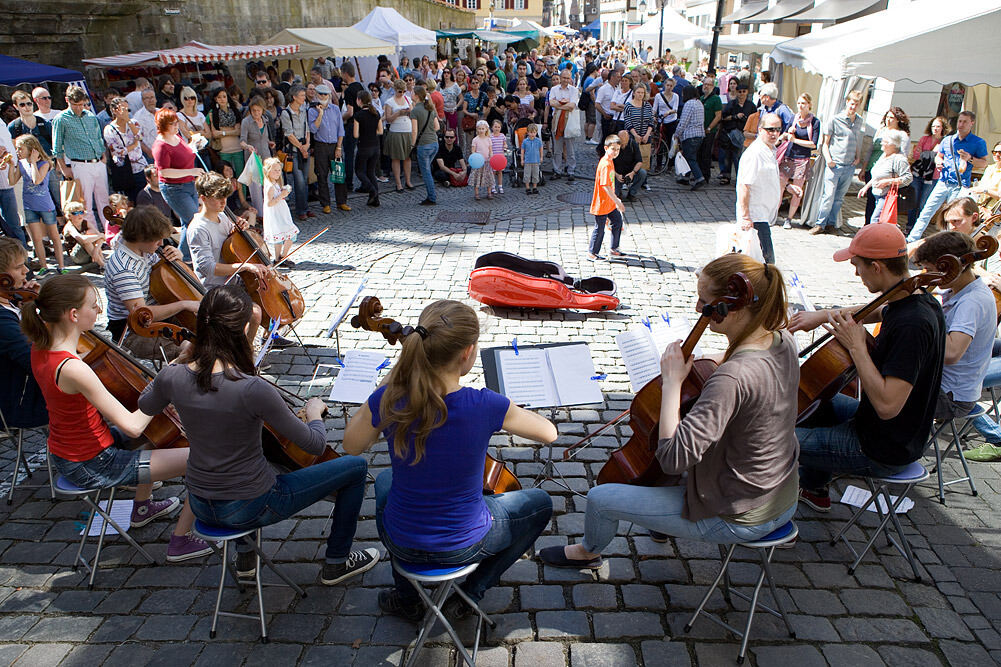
[
  {"x": 299, "y": 181},
  {"x": 878, "y": 208},
  {"x": 939, "y": 195},
  {"x": 660, "y": 508},
  {"x": 690, "y": 149},
  {"x": 634, "y": 185},
  {"x": 764, "y": 230},
  {"x": 836, "y": 182},
  {"x": 183, "y": 201},
  {"x": 986, "y": 426},
  {"x": 348, "y": 145},
  {"x": 425, "y": 156},
  {"x": 519, "y": 517},
  {"x": 921, "y": 192},
  {"x": 10, "y": 221},
  {"x": 293, "y": 492},
  {"x": 598, "y": 233},
  {"x": 833, "y": 446}
]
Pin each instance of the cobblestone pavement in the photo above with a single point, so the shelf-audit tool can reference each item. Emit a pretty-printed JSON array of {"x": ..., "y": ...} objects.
[{"x": 632, "y": 611}]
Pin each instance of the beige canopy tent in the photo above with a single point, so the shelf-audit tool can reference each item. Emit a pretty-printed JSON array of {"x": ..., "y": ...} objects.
[{"x": 333, "y": 42}]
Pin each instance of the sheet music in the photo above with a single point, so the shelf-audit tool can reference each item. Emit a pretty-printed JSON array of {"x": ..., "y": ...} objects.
[
  {"x": 572, "y": 369},
  {"x": 359, "y": 377},
  {"x": 856, "y": 497},
  {"x": 665, "y": 333},
  {"x": 525, "y": 377},
  {"x": 640, "y": 356},
  {"x": 121, "y": 513}
]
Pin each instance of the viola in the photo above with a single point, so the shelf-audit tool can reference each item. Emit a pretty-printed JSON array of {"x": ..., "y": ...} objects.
[
  {"x": 831, "y": 368},
  {"x": 277, "y": 296},
  {"x": 278, "y": 449},
  {"x": 636, "y": 462},
  {"x": 497, "y": 478},
  {"x": 171, "y": 281}
]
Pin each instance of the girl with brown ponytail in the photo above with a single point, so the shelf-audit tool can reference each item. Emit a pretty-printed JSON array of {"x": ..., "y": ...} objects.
[
  {"x": 83, "y": 448},
  {"x": 430, "y": 507},
  {"x": 737, "y": 443}
]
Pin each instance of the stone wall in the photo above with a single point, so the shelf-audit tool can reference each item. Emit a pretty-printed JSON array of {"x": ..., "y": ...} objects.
[{"x": 62, "y": 32}]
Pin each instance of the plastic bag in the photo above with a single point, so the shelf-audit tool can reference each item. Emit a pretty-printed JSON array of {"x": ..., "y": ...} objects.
[
  {"x": 681, "y": 167},
  {"x": 731, "y": 238},
  {"x": 337, "y": 173}
]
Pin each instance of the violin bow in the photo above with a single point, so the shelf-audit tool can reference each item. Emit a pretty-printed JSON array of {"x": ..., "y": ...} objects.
[{"x": 301, "y": 246}]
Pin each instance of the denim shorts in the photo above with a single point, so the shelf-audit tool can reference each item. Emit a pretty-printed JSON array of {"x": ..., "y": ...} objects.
[
  {"x": 48, "y": 217},
  {"x": 112, "y": 467}
]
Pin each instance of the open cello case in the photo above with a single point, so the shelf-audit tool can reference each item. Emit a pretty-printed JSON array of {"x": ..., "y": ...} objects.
[{"x": 504, "y": 279}]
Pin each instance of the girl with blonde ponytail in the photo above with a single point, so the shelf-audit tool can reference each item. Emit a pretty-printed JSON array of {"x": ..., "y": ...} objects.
[
  {"x": 737, "y": 443},
  {"x": 83, "y": 448},
  {"x": 430, "y": 507}
]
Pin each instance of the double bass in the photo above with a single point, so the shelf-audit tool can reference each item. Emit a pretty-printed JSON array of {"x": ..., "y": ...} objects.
[
  {"x": 279, "y": 450},
  {"x": 831, "y": 368},
  {"x": 496, "y": 476},
  {"x": 636, "y": 462}
]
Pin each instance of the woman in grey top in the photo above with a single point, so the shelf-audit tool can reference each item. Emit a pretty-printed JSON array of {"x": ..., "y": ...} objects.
[
  {"x": 737, "y": 443},
  {"x": 892, "y": 168},
  {"x": 424, "y": 135},
  {"x": 223, "y": 405},
  {"x": 257, "y": 135}
]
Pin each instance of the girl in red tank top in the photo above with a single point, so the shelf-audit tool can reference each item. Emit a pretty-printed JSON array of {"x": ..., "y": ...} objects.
[{"x": 81, "y": 444}]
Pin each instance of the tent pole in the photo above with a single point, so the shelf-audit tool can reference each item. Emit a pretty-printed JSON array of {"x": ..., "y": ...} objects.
[
  {"x": 717, "y": 28},
  {"x": 357, "y": 69}
]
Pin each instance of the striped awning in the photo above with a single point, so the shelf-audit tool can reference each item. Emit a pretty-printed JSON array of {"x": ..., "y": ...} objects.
[{"x": 195, "y": 52}]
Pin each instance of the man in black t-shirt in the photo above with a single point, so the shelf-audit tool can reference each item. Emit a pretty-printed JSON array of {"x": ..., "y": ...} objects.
[
  {"x": 449, "y": 167},
  {"x": 629, "y": 171},
  {"x": 734, "y": 117},
  {"x": 900, "y": 375},
  {"x": 351, "y": 90}
]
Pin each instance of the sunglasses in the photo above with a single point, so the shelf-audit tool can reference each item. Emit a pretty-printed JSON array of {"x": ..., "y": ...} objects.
[
  {"x": 449, "y": 136},
  {"x": 186, "y": 99},
  {"x": 772, "y": 129},
  {"x": 76, "y": 213},
  {"x": 262, "y": 81},
  {"x": 25, "y": 104},
  {"x": 996, "y": 152},
  {"x": 44, "y": 98}
]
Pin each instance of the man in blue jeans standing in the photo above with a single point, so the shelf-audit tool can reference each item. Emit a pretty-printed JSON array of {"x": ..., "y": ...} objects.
[
  {"x": 956, "y": 155},
  {"x": 294, "y": 123},
  {"x": 841, "y": 148}
]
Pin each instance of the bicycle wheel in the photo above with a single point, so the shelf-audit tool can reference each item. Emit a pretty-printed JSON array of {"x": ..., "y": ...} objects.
[{"x": 658, "y": 155}]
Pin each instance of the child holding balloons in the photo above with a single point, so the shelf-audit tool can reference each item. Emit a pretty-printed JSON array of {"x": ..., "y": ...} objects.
[
  {"x": 480, "y": 151},
  {"x": 498, "y": 144}
]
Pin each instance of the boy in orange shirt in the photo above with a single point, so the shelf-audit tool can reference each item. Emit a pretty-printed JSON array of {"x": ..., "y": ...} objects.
[{"x": 605, "y": 206}]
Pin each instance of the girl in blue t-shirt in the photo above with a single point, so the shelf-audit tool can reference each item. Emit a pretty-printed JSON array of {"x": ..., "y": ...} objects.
[
  {"x": 33, "y": 166},
  {"x": 430, "y": 507}
]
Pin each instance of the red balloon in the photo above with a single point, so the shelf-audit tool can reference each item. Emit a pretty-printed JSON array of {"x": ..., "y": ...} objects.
[{"x": 498, "y": 162}]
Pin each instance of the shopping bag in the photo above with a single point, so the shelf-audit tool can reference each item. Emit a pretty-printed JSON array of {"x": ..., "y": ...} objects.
[
  {"x": 645, "y": 156},
  {"x": 681, "y": 167},
  {"x": 572, "y": 130},
  {"x": 253, "y": 171},
  {"x": 69, "y": 191},
  {"x": 337, "y": 173},
  {"x": 889, "y": 213},
  {"x": 675, "y": 148},
  {"x": 731, "y": 238}
]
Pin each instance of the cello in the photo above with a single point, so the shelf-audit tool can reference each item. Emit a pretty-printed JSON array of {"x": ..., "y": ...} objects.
[
  {"x": 831, "y": 368},
  {"x": 981, "y": 232},
  {"x": 279, "y": 450},
  {"x": 123, "y": 376},
  {"x": 497, "y": 478},
  {"x": 636, "y": 462}
]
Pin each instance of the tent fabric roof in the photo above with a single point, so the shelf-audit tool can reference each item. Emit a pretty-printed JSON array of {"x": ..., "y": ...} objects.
[
  {"x": 194, "y": 52},
  {"x": 747, "y": 10},
  {"x": 676, "y": 28},
  {"x": 871, "y": 46},
  {"x": 14, "y": 71},
  {"x": 833, "y": 10},
  {"x": 482, "y": 35},
  {"x": 593, "y": 25},
  {"x": 751, "y": 42},
  {"x": 388, "y": 24},
  {"x": 782, "y": 9},
  {"x": 333, "y": 42}
]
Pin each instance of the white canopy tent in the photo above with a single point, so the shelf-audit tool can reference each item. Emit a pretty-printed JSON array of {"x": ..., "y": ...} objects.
[
  {"x": 914, "y": 41},
  {"x": 678, "y": 32},
  {"x": 525, "y": 24},
  {"x": 388, "y": 24},
  {"x": 751, "y": 42},
  {"x": 349, "y": 43}
]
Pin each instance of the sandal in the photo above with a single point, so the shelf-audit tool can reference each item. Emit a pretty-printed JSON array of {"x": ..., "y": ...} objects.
[{"x": 556, "y": 556}]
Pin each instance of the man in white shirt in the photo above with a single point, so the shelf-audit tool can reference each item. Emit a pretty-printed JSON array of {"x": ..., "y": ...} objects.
[
  {"x": 135, "y": 97},
  {"x": 563, "y": 99},
  {"x": 147, "y": 123},
  {"x": 43, "y": 100},
  {"x": 603, "y": 103},
  {"x": 759, "y": 192}
]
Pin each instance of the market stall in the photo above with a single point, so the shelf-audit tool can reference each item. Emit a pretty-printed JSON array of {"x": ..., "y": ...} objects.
[
  {"x": 348, "y": 42},
  {"x": 14, "y": 72},
  {"x": 410, "y": 39}
]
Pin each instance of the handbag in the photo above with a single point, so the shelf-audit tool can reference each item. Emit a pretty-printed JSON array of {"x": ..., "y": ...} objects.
[
  {"x": 337, "y": 172},
  {"x": 889, "y": 213},
  {"x": 468, "y": 122},
  {"x": 681, "y": 167},
  {"x": 781, "y": 151},
  {"x": 459, "y": 181},
  {"x": 736, "y": 138},
  {"x": 923, "y": 169},
  {"x": 645, "y": 155},
  {"x": 730, "y": 238}
]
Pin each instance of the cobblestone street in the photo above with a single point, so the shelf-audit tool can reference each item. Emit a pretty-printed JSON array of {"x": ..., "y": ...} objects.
[{"x": 632, "y": 611}]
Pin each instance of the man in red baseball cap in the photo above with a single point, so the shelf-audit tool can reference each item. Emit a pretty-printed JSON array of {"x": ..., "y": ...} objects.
[{"x": 900, "y": 372}]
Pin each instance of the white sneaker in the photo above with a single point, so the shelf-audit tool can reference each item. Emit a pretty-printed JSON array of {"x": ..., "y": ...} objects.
[
  {"x": 500, "y": 189},
  {"x": 592, "y": 142},
  {"x": 382, "y": 179},
  {"x": 787, "y": 224}
]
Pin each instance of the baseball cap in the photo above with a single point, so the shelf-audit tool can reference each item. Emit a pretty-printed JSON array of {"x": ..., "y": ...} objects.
[
  {"x": 323, "y": 89},
  {"x": 875, "y": 241}
]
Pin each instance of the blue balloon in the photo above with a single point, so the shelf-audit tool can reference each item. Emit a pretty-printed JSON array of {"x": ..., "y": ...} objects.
[{"x": 476, "y": 161}]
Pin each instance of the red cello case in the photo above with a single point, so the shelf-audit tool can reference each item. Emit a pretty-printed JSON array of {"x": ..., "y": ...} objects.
[{"x": 503, "y": 279}]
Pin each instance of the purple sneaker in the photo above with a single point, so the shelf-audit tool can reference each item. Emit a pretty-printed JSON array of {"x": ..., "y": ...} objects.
[
  {"x": 144, "y": 512},
  {"x": 185, "y": 547}
]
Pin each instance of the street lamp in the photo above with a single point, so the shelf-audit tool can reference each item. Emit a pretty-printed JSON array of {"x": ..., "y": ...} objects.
[{"x": 660, "y": 41}]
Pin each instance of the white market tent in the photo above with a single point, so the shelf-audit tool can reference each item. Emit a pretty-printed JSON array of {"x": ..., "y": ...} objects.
[
  {"x": 677, "y": 30},
  {"x": 751, "y": 42},
  {"x": 521, "y": 25},
  {"x": 388, "y": 24},
  {"x": 332, "y": 42}
]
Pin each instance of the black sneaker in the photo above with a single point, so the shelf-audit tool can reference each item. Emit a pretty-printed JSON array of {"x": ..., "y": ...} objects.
[
  {"x": 427, "y": 202},
  {"x": 456, "y": 609},
  {"x": 391, "y": 602},
  {"x": 570, "y": 178},
  {"x": 246, "y": 564},
  {"x": 357, "y": 563},
  {"x": 280, "y": 343},
  {"x": 659, "y": 538},
  {"x": 555, "y": 177}
]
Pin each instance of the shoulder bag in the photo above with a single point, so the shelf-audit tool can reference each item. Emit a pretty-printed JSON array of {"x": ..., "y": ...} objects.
[{"x": 121, "y": 175}]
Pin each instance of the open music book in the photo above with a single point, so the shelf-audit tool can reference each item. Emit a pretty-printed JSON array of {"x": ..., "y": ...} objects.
[
  {"x": 358, "y": 378},
  {"x": 543, "y": 376},
  {"x": 642, "y": 346}
]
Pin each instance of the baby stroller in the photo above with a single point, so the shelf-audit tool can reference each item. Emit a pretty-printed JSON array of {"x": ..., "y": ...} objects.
[{"x": 518, "y": 133}]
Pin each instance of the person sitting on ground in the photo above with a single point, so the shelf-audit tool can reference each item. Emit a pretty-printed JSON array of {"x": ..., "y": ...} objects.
[
  {"x": 85, "y": 241},
  {"x": 450, "y": 168},
  {"x": 629, "y": 171}
]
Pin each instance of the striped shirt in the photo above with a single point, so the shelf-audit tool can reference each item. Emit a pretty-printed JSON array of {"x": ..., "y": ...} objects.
[
  {"x": 638, "y": 118},
  {"x": 77, "y": 137},
  {"x": 126, "y": 276},
  {"x": 691, "y": 123},
  {"x": 498, "y": 142}
]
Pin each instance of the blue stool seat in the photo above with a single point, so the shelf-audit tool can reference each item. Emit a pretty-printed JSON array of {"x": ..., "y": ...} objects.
[
  {"x": 912, "y": 474},
  {"x": 212, "y": 533},
  {"x": 780, "y": 535},
  {"x": 431, "y": 569},
  {"x": 67, "y": 487}
]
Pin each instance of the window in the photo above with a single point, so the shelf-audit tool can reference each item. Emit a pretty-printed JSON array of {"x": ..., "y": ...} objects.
[
  {"x": 521, "y": 4},
  {"x": 472, "y": 4}
]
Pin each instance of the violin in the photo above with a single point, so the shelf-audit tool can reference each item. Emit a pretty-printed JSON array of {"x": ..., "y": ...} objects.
[
  {"x": 278, "y": 449},
  {"x": 636, "y": 462},
  {"x": 123, "y": 376},
  {"x": 497, "y": 478},
  {"x": 831, "y": 368},
  {"x": 277, "y": 296}
]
